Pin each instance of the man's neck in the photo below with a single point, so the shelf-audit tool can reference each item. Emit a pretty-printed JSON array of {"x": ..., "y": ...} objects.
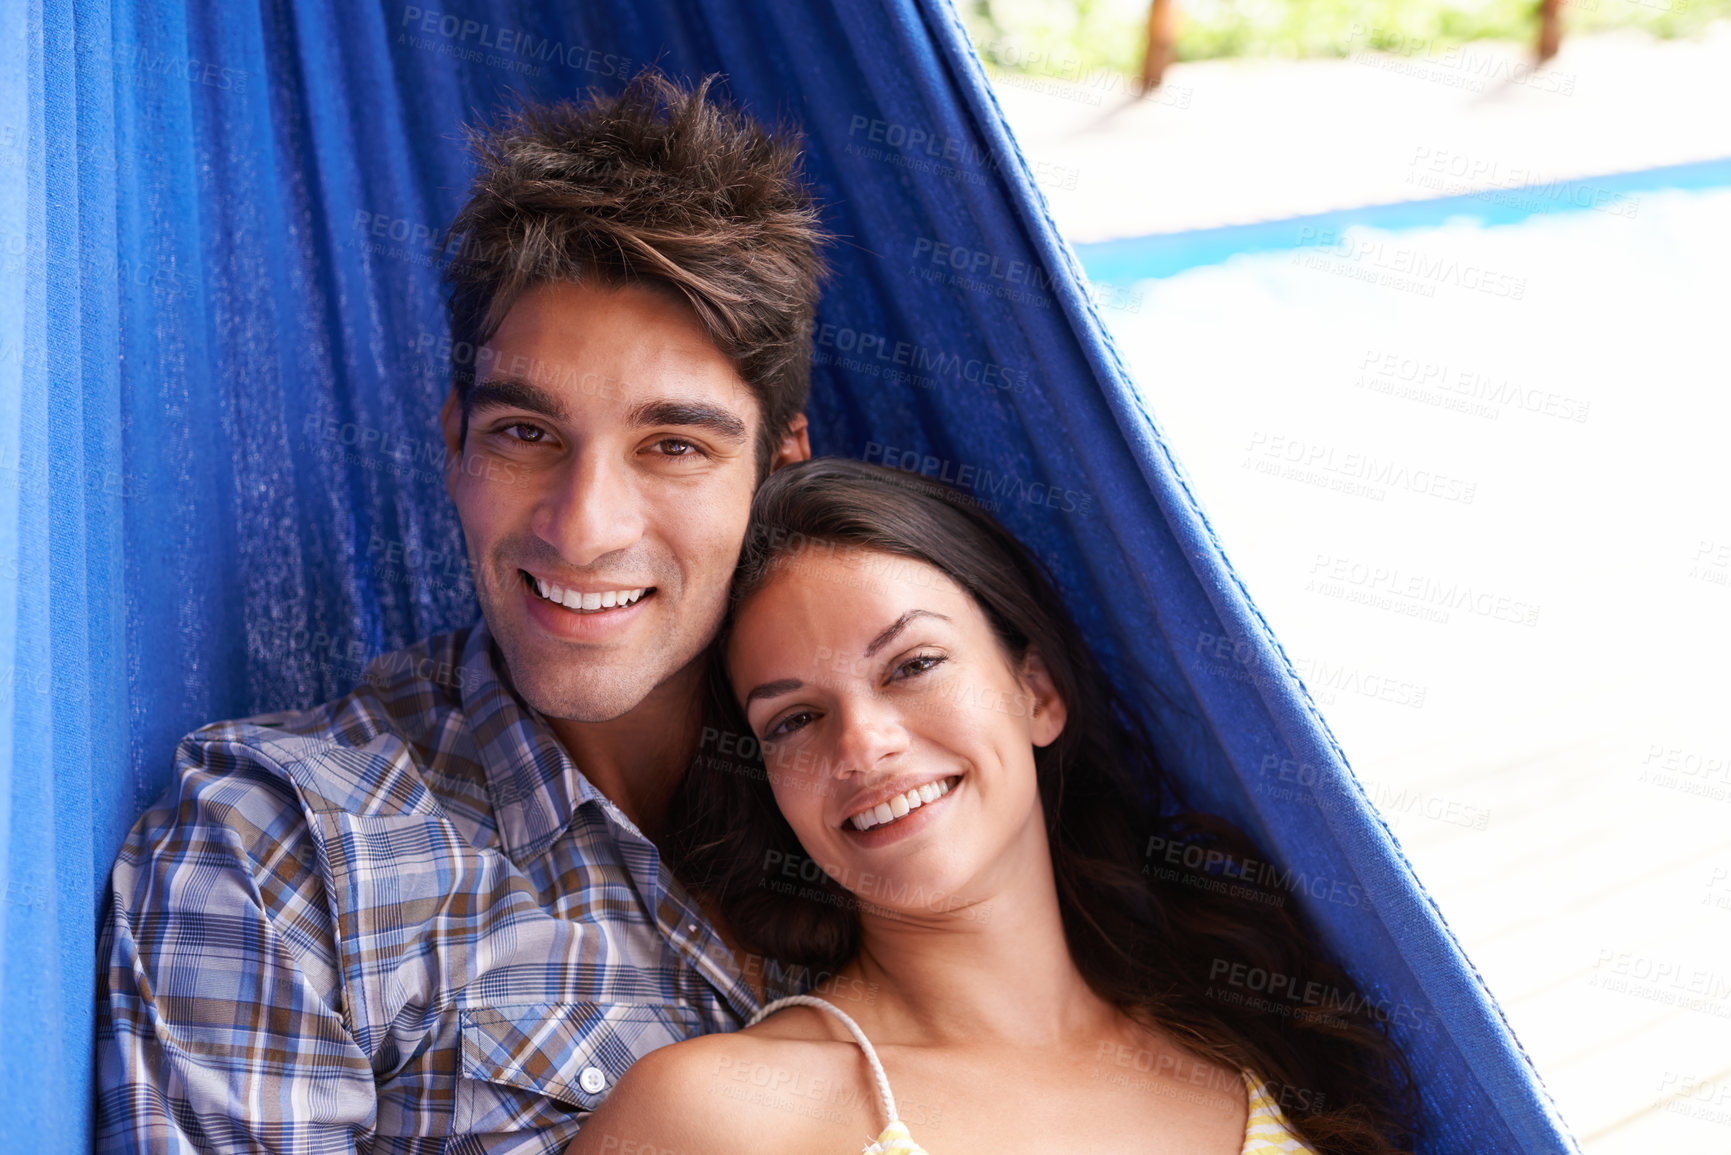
[{"x": 638, "y": 758}]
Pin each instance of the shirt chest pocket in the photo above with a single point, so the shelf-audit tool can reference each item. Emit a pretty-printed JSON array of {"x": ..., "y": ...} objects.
[{"x": 538, "y": 1065}]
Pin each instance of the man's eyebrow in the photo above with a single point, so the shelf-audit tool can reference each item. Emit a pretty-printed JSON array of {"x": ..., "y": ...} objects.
[
  {"x": 772, "y": 689},
  {"x": 504, "y": 392},
  {"x": 897, "y": 626},
  {"x": 714, "y": 418}
]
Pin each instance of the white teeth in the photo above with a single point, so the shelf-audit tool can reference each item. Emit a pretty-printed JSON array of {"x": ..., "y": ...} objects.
[
  {"x": 898, "y": 807},
  {"x": 573, "y": 599}
]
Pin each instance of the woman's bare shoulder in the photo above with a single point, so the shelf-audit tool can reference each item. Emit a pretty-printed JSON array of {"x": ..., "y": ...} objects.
[
  {"x": 714, "y": 1095},
  {"x": 676, "y": 1099}
]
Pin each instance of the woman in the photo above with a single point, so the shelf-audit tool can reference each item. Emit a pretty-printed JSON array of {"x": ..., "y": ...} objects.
[{"x": 952, "y": 827}]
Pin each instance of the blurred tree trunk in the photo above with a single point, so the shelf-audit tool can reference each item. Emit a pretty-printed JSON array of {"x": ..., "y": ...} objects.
[
  {"x": 1550, "y": 28},
  {"x": 1157, "y": 53}
]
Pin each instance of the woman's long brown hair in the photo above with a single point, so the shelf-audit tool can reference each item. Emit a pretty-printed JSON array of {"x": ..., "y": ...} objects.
[{"x": 1168, "y": 944}]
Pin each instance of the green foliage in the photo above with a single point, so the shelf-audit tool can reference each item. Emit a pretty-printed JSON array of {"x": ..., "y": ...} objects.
[
  {"x": 1057, "y": 37},
  {"x": 1072, "y": 38}
]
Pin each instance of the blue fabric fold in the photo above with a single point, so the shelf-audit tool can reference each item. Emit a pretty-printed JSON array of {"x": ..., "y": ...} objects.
[{"x": 222, "y": 354}]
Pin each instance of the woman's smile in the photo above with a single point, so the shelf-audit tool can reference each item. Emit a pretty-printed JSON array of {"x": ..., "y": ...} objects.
[
  {"x": 897, "y": 801},
  {"x": 903, "y": 815}
]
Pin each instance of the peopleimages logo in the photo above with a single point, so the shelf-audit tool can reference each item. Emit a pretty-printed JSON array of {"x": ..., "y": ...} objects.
[
  {"x": 1273, "y": 991},
  {"x": 977, "y": 263},
  {"x": 1460, "y": 389},
  {"x": 1468, "y": 66},
  {"x": 918, "y": 359},
  {"x": 1369, "y": 257},
  {"x": 982, "y": 480},
  {"x": 1311, "y": 461},
  {"x": 472, "y": 40},
  {"x": 1416, "y": 594},
  {"x": 1265, "y": 876},
  {"x": 1670, "y": 981},
  {"x": 1454, "y": 173},
  {"x": 906, "y": 138}
]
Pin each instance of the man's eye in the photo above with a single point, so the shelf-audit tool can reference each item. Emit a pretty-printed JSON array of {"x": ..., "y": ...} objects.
[
  {"x": 917, "y": 665},
  {"x": 798, "y": 720},
  {"x": 526, "y": 433},
  {"x": 678, "y": 447}
]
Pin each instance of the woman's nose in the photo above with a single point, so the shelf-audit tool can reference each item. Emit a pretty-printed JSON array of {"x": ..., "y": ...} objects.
[{"x": 868, "y": 732}]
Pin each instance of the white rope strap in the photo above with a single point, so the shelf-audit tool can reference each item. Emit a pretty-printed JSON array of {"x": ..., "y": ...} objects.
[{"x": 883, "y": 1081}]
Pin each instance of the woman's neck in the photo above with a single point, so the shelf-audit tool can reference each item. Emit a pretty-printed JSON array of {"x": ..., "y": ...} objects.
[{"x": 996, "y": 969}]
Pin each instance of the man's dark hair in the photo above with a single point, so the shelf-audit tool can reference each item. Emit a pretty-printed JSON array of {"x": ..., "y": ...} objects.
[{"x": 665, "y": 187}]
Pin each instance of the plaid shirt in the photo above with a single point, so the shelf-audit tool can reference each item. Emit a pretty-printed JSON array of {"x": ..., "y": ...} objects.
[{"x": 400, "y": 921}]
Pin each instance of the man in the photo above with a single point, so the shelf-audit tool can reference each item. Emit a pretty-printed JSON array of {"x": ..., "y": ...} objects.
[{"x": 431, "y": 915}]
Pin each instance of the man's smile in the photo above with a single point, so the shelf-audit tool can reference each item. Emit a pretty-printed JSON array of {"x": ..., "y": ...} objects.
[
  {"x": 585, "y": 601},
  {"x": 603, "y": 610}
]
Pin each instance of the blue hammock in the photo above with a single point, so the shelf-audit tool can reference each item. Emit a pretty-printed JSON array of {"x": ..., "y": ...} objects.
[{"x": 222, "y": 351}]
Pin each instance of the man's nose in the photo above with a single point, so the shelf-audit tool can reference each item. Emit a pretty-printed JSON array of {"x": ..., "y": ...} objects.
[{"x": 593, "y": 509}]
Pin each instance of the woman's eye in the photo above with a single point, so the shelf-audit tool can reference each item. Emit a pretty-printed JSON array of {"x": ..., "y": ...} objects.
[
  {"x": 795, "y": 721},
  {"x": 916, "y": 665}
]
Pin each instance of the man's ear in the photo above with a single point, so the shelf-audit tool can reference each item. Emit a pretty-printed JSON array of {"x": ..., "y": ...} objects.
[
  {"x": 451, "y": 424},
  {"x": 794, "y": 445},
  {"x": 1047, "y": 714}
]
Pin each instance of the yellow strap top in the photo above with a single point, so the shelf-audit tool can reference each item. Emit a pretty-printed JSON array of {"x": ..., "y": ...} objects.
[{"x": 1265, "y": 1131}]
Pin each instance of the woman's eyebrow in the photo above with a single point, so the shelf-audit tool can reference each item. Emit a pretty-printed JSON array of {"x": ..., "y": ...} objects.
[
  {"x": 897, "y": 626},
  {"x": 772, "y": 689},
  {"x": 785, "y": 685}
]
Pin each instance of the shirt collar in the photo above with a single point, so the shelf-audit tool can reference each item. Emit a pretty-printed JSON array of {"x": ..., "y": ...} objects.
[{"x": 536, "y": 789}]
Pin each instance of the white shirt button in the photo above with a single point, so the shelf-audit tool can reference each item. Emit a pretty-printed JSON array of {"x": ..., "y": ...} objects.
[{"x": 592, "y": 1080}]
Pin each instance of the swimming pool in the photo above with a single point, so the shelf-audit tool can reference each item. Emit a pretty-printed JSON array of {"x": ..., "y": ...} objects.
[
  {"x": 1134, "y": 259},
  {"x": 1469, "y": 456}
]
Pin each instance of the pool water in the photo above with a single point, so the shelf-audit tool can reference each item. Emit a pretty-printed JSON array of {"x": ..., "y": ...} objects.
[{"x": 1470, "y": 458}]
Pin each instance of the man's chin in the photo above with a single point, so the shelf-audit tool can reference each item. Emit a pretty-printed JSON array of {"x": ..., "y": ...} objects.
[
  {"x": 576, "y": 689},
  {"x": 586, "y": 711},
  {"x": 586, "y": 682}
]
